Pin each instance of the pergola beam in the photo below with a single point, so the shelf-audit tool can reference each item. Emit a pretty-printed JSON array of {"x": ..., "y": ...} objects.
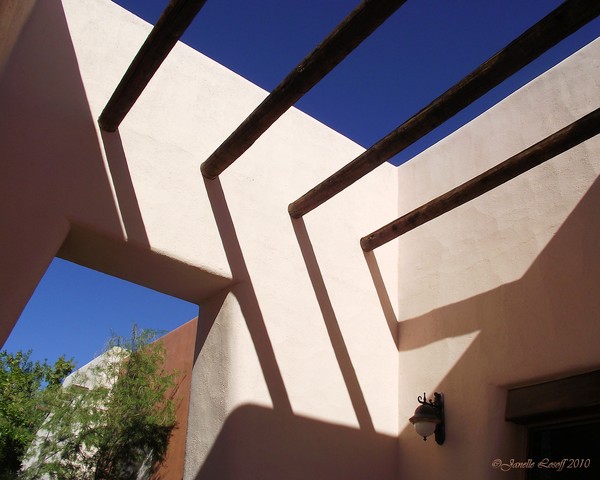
[
  {"x": 355, "y": 28},
  {"x": 563, "y": 21},
  {"x": 174, "y": 20},
  {"x": 561, "y": 141}
]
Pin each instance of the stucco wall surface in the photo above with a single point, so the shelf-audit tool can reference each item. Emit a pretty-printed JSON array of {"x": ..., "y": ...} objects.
[
  {"x": 64, "y": 190},
  {"x": 295, "y": 369},
  {"x": 503, "y": 290},
  {"x": 295, "y": 366}
]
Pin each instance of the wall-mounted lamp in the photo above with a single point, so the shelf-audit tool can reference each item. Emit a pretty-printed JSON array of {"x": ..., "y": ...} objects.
[{"x": 429, "y": 418}]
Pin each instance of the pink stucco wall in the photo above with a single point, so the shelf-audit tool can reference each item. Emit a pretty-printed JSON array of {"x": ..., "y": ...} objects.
[
  {"x": 308, "y": 355},
  {"x": 502, "y": 291},
  {"x": 291, "y": 334}
]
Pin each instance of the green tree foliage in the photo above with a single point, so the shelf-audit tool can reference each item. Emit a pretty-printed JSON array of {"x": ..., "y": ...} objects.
[
  {"x": 113, "y": 421},
  {"x": 24, "y": 385}
]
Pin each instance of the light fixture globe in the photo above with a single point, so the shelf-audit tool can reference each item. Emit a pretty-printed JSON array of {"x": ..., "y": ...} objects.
[
  {"x": 425, "y": 420},
  {"x": 429, "y": 418},
  {"x": 424, "y": 428}
]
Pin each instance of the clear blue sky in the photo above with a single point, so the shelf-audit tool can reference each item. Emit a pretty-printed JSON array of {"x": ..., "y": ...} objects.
[{"x": 426, "y": 47}]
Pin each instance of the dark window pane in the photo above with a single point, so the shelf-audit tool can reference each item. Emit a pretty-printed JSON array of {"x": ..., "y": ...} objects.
[{"x": 568, "y": 451}]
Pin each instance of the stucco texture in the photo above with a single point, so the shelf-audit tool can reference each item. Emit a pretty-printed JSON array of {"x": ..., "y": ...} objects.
[
  {"x": 503, "y": 290},
  {"x": 308, "y": 355},
  {"x": 291, "y": 332}
]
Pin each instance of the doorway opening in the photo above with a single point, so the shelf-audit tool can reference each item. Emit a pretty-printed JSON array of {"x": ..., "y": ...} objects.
[{"x": 75, "y": 310}]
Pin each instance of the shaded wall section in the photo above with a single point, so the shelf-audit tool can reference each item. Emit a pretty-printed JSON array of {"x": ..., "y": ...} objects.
[
  {"x": 502, "y": 291},
  {"x": 64, "y": 189},
  {"x": 291, "y": 321},
  {"x": 543, "y": 326},
  {"x": 257, "y": 442},
  {"x": 52, "y": 166}
]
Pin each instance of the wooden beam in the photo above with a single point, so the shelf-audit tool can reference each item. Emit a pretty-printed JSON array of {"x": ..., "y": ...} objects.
[
  {"x": 168, "y": 29},
  {"x": 557, "y": 143},
  {"x": 355, "y": 28},
  {"x": 557, "y": 25}
]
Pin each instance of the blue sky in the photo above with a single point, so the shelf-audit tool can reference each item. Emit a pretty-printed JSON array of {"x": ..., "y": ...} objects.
[
  {"x": 74, "y": 310},
  {"x": 421, "y": 51}
]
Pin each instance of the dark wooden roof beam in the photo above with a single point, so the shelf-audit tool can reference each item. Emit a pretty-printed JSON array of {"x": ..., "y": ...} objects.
[
  {"x": 560, "y": 23},
  {"x": 168, "y": 29},
  {"x": 355, "y": 28},
  {"x": 557, "y": 143}
]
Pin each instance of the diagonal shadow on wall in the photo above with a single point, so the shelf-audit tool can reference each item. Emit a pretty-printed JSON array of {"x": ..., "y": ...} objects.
[
  {"x": 540, "y": 327},
  {"x": 333, "y": 329},
  {"x": 52, "y": 168},
  {"x": 257, "y": 442},
  {"x": 246, "y": 296},
  {"x": 397, "y": 329},
  {"x": 272, "y": 444},
  {"x": 128, "y": 205},
  {"x": 560, "y": 283},
  {"x": 383, "y": 296}
]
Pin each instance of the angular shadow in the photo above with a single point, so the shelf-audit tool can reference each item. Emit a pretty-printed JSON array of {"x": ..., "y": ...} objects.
[
  {"x": 542, "y": 326},
  {"x": 333, "y": 329},
  {"x": 128, "y": 205},
  {"x": 257, "y": 442},
  {"x": 208, "y": 315},
  {"x": 52, "y": 170},
  {"x": 246, "y": 296},
  {"x": 382, "y": 294},
  {"x": 551, "y": 286},
  {"x": 407, "y": 338}
]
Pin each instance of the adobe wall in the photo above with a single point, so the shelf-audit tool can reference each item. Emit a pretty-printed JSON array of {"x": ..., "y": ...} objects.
[
  {"x": 179, "y": 358},
  {"x": 65, "y": 188},
  {"x": 295, "y": 370},
  {"x": 503, "y": 290}
]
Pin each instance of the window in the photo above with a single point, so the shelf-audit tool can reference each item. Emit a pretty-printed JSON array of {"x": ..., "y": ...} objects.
[
  {"x": 565, "y": 450},
  {"x": 562, "y": 419}
]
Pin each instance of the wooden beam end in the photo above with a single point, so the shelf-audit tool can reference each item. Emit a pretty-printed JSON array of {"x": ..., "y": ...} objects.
[
  {"x": 207, "y": 172},
  {"x": 106, "y": 124}
]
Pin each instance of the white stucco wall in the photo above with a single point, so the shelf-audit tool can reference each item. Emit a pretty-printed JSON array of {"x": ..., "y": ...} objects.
[
  {"x": 296, "y": 371},
  {"x": 503, "y": 290}
]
